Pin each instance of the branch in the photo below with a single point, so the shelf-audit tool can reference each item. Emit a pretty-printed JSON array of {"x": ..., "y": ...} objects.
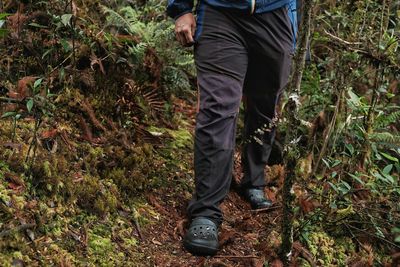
[
  {"x": 373, "y": 235},
  {"x": 354, "y": 46},
  {"x": 236, "y": 257},
  {"x": 267, "y": 209},
  {"x": 11, "y": 100},
  {"x": 341, "y": 40}
]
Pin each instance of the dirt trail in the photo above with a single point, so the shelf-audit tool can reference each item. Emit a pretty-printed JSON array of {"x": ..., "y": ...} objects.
[{"x": 247, "y": 238}]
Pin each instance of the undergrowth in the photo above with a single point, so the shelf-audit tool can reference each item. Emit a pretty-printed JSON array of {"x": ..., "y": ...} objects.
[{"x": 96, "y": 100}]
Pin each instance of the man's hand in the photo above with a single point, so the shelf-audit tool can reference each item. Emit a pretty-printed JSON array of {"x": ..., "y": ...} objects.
[{"x": 185, "y": 26}]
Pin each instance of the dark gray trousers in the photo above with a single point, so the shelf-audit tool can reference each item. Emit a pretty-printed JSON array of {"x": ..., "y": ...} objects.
[{"x": 236, "y": 54}]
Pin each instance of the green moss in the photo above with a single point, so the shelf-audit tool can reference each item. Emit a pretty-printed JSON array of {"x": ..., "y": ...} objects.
[
  {"x": 125, "y": 183},
  {"x": 147, "y": 150},
  {"x": 182, "y": 138},
  {"x": 98, "y": 196},
  {"x": 327, "y": 251},
  {"x": 102, "y": 251},
  {"x": 18, "y": 202},
  {"x": 5, "y": 195},
  {"x": 99, "y": 245},
  {"x": 96, "y": 153},
  {"x": 3, "y": 168},
  {"x": 60, "y": 257},
  {"x": 130, "y": 242},
  {"x": 50, "y": 174},
  {"x": 47, "y": 169}
]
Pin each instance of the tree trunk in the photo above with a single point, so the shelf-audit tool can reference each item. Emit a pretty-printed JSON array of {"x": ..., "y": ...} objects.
[{"x": 292, "y": 151}]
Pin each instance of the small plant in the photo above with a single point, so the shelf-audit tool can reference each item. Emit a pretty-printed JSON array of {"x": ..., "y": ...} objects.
[{"x": 3, "y": 31}]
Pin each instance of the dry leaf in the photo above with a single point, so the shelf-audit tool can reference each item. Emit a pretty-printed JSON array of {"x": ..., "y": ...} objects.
[
  {"x": 49, "y": 134},
  {"x": 23, "y": 89}
]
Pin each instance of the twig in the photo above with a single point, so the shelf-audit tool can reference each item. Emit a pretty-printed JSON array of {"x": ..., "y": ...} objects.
[
  {"x": 358, "y": 241},
  {"x": 17, "y": 229},
  {"x": 328, "y": 134},
  {"x": 354, "y": 236},
  {"x": 217, "y": 263},
  {"x": 137, "y": 226},
  {"x": 341, "y": 40},
  {"x": 59, "y": 65},
  {"x": 305, "y": 253},
  {"x": 267, "y": 209},
  {"x": 236, "y": 257},
  {"x": 10, "y": 100},
  {"x": 377, "y": 57},
  {"x": 376, "y": 236},
  {"x": 86, "y": 107},
  {"x": 73, "y": 36}
]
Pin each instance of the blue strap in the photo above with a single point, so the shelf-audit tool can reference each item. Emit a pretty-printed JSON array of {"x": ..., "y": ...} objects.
[{"x": 293, "y": 19}]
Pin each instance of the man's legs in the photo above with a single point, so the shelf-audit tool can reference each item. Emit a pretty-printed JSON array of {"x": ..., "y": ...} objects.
[
  {"x": 270, "y": 43},
  {"x": 222, "y": 55},
  {"x": 221, "y": 61}
]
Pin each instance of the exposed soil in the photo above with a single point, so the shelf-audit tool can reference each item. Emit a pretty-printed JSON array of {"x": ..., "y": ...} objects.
[{"x": 247, "y": 238}]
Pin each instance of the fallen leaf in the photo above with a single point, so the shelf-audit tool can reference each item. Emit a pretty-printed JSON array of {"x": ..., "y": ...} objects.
[
  {"x": 49, "y": 134},
  {"x": 15, "y": 187},
  {"x": 258, "y": 262},
  {"x": 77, "y": 177},
  {"x": 270, "y": 194},
  {"x": 23, "y": 89},
  {"x": 13, "y": 178},
  {"x": 30, "y": 234},
  {"x": 306, "y": 204},
  {"x": 16, "y": 21}
]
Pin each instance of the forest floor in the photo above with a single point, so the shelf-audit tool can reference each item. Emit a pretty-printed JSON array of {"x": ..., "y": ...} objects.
[
  {"x": 247, "y": 237},
  {"x": 153, "y": 237}
]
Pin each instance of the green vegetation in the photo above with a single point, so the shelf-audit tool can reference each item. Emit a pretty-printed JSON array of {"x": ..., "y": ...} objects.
[{"x": 97, "y": 105}]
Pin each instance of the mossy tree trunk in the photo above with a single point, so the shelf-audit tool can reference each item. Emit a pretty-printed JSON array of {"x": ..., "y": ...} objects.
[{"x": 292, "y": 150}]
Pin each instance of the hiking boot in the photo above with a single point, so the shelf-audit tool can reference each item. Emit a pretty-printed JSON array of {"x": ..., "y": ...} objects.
[
  {"x": 202, "y": 237},
  {"x": 256, "y": 198}
]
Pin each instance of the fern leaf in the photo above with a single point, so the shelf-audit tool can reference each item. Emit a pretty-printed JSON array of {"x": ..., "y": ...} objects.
[
  {"x": 387, "y": 119},
  {"x": 114, "y": 18},
  {"x": 385, "y": 138}
]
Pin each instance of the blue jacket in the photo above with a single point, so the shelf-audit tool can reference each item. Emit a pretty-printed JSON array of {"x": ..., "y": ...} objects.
[{"x": 177, "y": 8}]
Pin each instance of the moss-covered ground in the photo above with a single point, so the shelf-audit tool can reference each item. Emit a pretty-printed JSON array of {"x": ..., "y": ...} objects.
[{"x": 97, "y": 106}]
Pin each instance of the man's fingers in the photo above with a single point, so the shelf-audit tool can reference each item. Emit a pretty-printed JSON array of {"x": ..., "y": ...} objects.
[
  {"x": 184, "y": 35},
  {"x": 193, "y": 28},
  {"x": 188, "y": 35},
  {"x": 185, "y": 27},
  {"x": 179, "y": 37}
]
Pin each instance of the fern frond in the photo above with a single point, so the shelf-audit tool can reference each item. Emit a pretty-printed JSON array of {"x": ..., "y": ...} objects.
[
  {"x": 385, "y": 138},
  {"x": 114, "y": 18},
  {"x": 154, "y": 100},
  {"x": 128, "y": 19},
  {"x": 135, "y": 26},
  {"x": 385, "y": 120},
  {"x": 138, "y": 52}
]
